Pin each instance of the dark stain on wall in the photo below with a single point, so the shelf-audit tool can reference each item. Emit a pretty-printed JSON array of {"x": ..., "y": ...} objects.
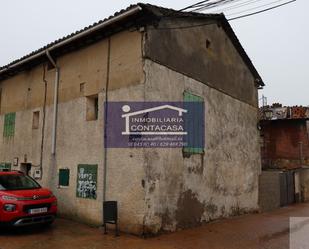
[
  {"x": 152, "y": 187},
  {"x": 222, "y": 209},
  {"x": 167, "y": 219},
  {"x": 190, "y": 210},
  {"x": 237, "y": 211},
  {"x": 211, "y": 209},
  {"x": 198, "y": 168},
  {"x": 220, "y": 67}
]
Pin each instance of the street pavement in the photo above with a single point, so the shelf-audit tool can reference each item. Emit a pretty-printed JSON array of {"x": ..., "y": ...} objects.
[{"x": 266, "y": 231}]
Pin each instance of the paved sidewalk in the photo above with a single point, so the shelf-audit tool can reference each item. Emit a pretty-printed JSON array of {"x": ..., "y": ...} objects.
[{"x": 268, "y": 230}]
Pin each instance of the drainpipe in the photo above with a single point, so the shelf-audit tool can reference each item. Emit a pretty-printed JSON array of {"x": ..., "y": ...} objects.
[
  {"x": 106, "y": 120},
  {"x": 44, "y": 119},
  {"x": 52, "y": 61}
]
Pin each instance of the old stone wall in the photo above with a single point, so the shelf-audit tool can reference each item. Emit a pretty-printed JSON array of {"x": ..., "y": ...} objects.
[
  {"x": 203, "y": 52},
  {"x": 183, "y": 192},
  {"x": 156, "y": 189}
]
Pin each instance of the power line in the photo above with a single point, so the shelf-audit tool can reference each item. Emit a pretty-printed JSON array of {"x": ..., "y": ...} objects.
[
  {"x": 206, "y": 4},
  {"x": 194, "y": 5},
  {"x": 238, "y": 5},
  {"x": 258, "y": 7},
  {"x": 231, "y": 19},
  {"x": 261, "y": 11},
  {"x": 215, "y": 4}
]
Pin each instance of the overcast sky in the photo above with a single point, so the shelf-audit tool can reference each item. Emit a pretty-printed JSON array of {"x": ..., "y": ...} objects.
[{"x": 276, "y": 41}]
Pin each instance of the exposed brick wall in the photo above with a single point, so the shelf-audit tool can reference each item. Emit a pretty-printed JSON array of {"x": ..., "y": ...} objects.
[{"x": 281, "y": 143}]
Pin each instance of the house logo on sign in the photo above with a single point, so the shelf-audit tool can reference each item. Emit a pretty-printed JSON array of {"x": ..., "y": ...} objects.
[{"x": 160, "y": 120}]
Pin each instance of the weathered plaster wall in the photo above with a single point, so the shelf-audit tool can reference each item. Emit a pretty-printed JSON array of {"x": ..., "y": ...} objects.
[
  {"x": 304, "y": 184},
  {"x": 156, "y": 189},
  {"x": 88, "y": 65},
  {"x": 125, "y": 172},
  {"x": 26, "y": 141},
  {"x": 80, "y": 141},
  {"x": 182, "y": 192},
  {"x": 217, "y": 64},
  {"x": 23, "y": 91}
]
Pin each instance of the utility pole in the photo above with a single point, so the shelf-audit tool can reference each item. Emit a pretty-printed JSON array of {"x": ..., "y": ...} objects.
[{"x": 264, "y": 101}]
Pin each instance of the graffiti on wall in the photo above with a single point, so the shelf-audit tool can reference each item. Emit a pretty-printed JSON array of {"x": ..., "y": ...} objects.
[
  {"x": 277, "y": 111},
  {"x": 87, "y": 181}
]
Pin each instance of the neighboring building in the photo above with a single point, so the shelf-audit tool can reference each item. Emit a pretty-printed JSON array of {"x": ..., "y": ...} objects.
[
  {"x": 285, "y": 155},
  {"x": 285, "y": 137},
  {"x": 143, "y": 53}
]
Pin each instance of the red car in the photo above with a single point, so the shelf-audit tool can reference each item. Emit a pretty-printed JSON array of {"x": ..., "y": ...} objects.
[{"x": 24, "y": 202}]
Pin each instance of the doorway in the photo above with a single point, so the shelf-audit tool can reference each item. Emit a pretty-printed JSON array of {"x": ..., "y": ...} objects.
[{"x": 26, "y": 168}]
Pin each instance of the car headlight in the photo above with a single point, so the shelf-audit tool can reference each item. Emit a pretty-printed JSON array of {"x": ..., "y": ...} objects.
[
  {"x": 9, "y": 198},
  {"x": 9, "y": 207}
]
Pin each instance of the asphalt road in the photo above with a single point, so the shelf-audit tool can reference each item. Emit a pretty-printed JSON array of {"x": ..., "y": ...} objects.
[{"x": 267, "y": 231}]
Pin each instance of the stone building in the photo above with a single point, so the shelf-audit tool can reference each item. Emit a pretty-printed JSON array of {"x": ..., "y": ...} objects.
[{"x": 52, "y": 119}]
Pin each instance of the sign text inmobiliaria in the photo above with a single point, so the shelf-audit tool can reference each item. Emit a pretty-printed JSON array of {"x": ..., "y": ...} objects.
[{"x": 155, "y": 124}]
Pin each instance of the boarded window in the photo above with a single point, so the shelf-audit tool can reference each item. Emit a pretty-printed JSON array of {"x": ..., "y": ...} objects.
[
  {"x": 9, "y": 125},
  {"x": 36, "y": 120},
  {"x": 87, "y": 181},
  {"x": 64, "y": 177},
  {"x": 195, "y": 126},
  {"x": 92, "y": 108},
  {"x": 5, "y": 166}
]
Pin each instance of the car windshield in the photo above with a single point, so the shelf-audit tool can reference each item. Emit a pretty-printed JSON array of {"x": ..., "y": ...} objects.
[{"x": 17, "y": 182}]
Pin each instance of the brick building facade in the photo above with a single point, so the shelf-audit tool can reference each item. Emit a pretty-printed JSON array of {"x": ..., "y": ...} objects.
[
  {"x": 285, "y": 137},
  {"x": 285, "y": 156}
]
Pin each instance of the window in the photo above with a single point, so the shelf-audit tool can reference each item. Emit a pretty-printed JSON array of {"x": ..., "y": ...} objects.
[
  {"x": 82, "y": 88},
  {"x": 17, "y": 182},
  {"x": 92, "y": 108},
  {"x": 9, "y": 125},
  {"x": 26, "y": 168},
  {"x": 36, "y": 120},
  {"x": 208, "y": 43},
  {"x": 5, "y": 166},
  {"x": 64, "y": 177},
  {"x": 194, "y": 124}
]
